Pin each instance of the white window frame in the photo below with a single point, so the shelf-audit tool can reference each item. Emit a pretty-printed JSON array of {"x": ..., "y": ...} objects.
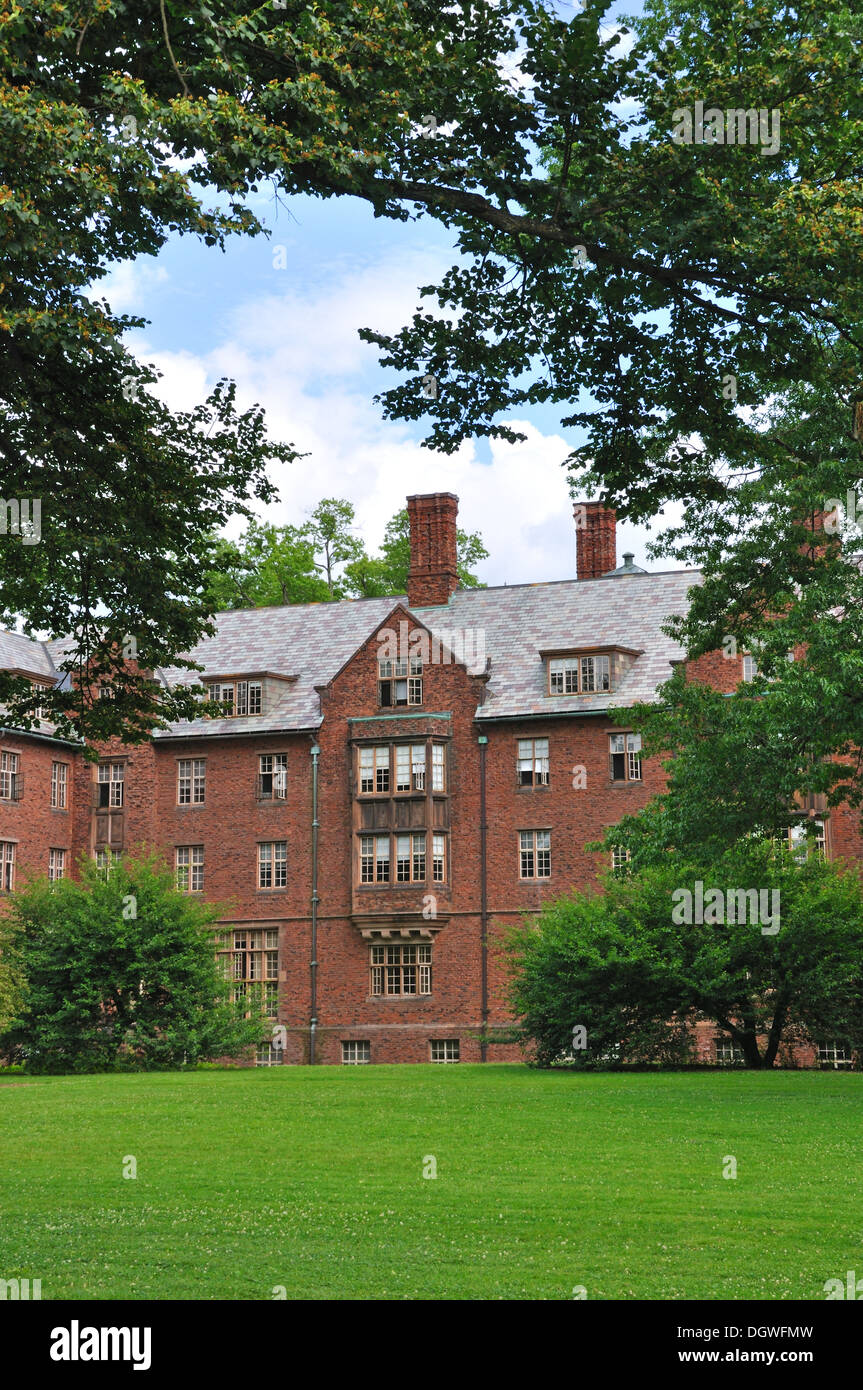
[
  {"x": 189, "y": 868},
  {"x": 59, "y": 785},
  {"x": 191, "y": 780},
  {"x": 534, "y": 854}
]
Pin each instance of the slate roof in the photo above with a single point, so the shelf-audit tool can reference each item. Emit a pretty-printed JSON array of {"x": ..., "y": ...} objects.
[{"x": 514, "y": 624}]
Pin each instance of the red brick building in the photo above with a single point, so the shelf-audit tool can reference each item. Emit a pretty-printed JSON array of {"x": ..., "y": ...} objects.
[{"x": 394, "y": 783}]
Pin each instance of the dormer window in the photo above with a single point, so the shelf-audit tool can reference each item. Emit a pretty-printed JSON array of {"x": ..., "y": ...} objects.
[
  {"x": 400, "y": 682},
  {"x": 236, "y": 697},
  {"x": 579, "y": 675}
]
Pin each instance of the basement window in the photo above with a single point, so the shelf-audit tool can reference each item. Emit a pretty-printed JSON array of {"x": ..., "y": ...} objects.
[
  {"x": 444, "y": 1049},
  {"x": 356, "y": 1054},
  {"x": 834, "y": 1055}
]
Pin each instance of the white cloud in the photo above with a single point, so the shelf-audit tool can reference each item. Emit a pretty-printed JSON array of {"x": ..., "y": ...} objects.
[
  {"x": 126, "y": 286},
  {"x": 296, "y": 351}
]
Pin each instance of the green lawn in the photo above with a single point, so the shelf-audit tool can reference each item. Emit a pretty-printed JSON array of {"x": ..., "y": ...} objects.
[{"x": 313, "y": 1179}]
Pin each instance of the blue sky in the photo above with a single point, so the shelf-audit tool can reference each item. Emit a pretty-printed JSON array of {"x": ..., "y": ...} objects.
[{"x": 288, "y": 337}]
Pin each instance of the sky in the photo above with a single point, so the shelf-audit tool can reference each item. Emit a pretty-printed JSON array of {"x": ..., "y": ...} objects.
[{"x": 280, "y": 316}]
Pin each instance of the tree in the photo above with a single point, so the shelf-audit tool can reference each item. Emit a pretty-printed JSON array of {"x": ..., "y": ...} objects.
[
  {"x": 268, "y": 565},
  {"x": 635, "y": 968},
  {"x": 322, "y": 560},
  {"x": 121, "y": 971},
  {"x": 330, "y": 530},
  {"x": 387, "y": 573},
  {"x": 10, "y": 981},
  {"x": 674, "y": 283}
]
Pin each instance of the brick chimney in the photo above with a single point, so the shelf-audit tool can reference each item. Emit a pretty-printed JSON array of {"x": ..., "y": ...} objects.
[
  {"x": 596, "y": 539},
  {"x": 433, "y": 575}
]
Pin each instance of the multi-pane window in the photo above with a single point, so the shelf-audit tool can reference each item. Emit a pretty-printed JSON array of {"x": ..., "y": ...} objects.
[
  {"x": 356, "y": 1054},
  {"x": 273, "y": 864},
  {"x": 7, "y": 866},
  {"x": 534, "y": 853},
  {"x": 728, "y": 1052},
  {"x": 438, "y": 767},
  {"x": 190, "y": 868},
  {"x": 750, "y": 668},
  {"x": 374, "y": 858},
  {"x": 59, "y": 778},
  {"x": 38, "y": 690},
  {"x": 9, "y": 778},
  {"x": 438, "y": 858},
  {"x": 624, "y": 757},
  {"x": 56, "y": 864},
  {"x": 444, "y": 1049},
  {"x": 410, "y": 767},
  {"x": 620, "y": 857},
  {"x": 236, "y": 697},
  {"x": 572, "y": 675},
  {"x": 375, "y": 769},
  {"x": 268, "y": 1055},
  {"x": 400, "y": 682},
  {"x": 273, "y": 776},
  {"x": 834, "y": 1055},
  {"x": 251, "y": 963},
  {"x": 400, "y": 970},
  {"x": 411, "y": 857},
  {"x": 110, "y": 784},
  {"x": 191, "y": 773},
  {"x": 800, "y": 843},
  {"x": 106, "y": 860},
  {"x": 533, "y": 762}
]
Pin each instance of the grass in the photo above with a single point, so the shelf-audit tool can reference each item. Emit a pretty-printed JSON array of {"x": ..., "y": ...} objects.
[{"x": 313, "y": 1180}]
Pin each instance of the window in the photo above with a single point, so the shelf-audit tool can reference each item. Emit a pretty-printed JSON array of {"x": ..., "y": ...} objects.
[
  {"x": 10, "y": 781},
  {"x": 107, "y": 860},
  {"x": 236, "y": 697},
  {"x": 268, "y": 1055},
  {"x": 624, "y": 759},
  {"x": 375, "y": 769},
  {"x": 110, "y": 784},
  {"x": 56, "y": 864},
  {"x": 37, "y": 689},
  {"x": 7, "y": 866},
  {"x": 400, "y": 970},
  {"x": 374, "y": 858},
  {"x": 410, "y": 767},
  {"x": 834, "y": 1055},
  {"x": 439, "y": 858},
  {"x": 533, "y": 762},
  {"x": 191, "y": 773},
  {"x": 273, "y": 864},
  {"x": 272, "y": 776},
  {"x": 620, "y": 857},
  {"x": 572, "y": 675},
  {"x": 444, "y": 1049},
  {"x": 250, "y": 959},
  {"x": 411, "y": 857},
  {"x": 535, "y": 856},
  {"x": 106, "y": 692},
  {"x": 356, "y": 1054},
  {"x": 438, "y": 767},
  {"x": 400, "y": 682},
  {"x": 750, "y": 668},
  {"x": 59, "y": 777},
  {"x": 727, "y": 1052},
  {"x": 800, "y": 843},
  {"x": 190, "y": 868}
]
